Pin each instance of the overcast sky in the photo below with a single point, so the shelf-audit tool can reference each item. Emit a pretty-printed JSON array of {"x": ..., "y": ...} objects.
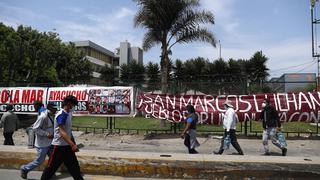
[{"x": 280, "y": 28}]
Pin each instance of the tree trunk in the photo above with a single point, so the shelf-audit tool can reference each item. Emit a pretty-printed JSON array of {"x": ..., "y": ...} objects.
[{"x": 164, "y": 75}]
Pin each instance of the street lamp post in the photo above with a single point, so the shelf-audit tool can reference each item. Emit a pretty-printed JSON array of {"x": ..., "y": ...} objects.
[{"x": 219, "y": 49}]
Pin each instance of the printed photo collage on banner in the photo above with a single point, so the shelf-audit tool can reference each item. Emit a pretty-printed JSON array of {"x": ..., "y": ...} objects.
[{"x": 109, "y": 101}]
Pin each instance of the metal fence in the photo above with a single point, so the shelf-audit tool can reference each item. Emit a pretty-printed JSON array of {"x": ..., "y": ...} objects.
[{"x": 246, "y": 129}]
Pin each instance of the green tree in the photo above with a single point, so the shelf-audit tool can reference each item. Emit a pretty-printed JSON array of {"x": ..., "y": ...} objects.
[
  {"x": 73, "y": 67},
  {"x": 30, "y": 56},
  {"x": 153, "y": 72},
  {"x": 124, "y": 73},
  {"x": 109, "y": 74},
  {"x": 169, "y": 22},
  {"x": 132, "y": 72},
  {"x": 257, "y": 68},
  {"x": 137, "y": 72}
]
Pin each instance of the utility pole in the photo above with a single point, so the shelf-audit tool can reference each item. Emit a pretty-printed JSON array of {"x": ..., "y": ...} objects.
[
  {"x": 219, "y": 49},
  {"x": 314, "y": 22}
]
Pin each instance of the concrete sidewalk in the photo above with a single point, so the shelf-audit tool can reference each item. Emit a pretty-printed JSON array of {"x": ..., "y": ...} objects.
[
  {"x": 11, "y": 174},
  {"x": 178, "y": 165}
]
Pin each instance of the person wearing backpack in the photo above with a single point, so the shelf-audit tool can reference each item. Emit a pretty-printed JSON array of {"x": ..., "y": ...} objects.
[{"x": 43, "y": 129}]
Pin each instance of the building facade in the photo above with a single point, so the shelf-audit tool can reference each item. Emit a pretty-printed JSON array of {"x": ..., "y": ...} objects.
[
  {"x": 294, "y": 82},
  {"x": 126, "y": 53},
  {"x": 100, "y": 57}
]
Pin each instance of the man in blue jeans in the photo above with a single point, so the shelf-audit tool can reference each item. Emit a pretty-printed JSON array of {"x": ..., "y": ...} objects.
[{"x": 43, "y": 129}]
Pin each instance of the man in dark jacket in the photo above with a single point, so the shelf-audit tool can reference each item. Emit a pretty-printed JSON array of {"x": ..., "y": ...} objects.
[
  {"x": 10, "y": 123},
  {"x": 271, "y": 124}
]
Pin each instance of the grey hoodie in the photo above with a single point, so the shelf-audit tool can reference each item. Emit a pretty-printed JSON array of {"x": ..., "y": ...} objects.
[{"x": 42, "y": 127}]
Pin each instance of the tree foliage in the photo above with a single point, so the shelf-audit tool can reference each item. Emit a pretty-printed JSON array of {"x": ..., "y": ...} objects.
[
  {"x": 30, "y": 56},
  {"x": 132, "y": 73},
  {"x": 153, "y": 76},
  {"x": 222, "y": 76},
  {"x": 109, "y": 74}
]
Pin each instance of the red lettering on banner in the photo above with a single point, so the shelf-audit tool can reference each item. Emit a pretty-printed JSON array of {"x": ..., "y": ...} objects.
[
  {"x": 63, "y": 95},
  {"x": 78, "y": 95},
  {"x": 51, "y": 96},
  {"x": 4, "y": 96},
  {"x": 84, "y": 95},
  {"x": 33, "y": 96},
  {"x": 25, "y": 96},
  {"x": 16, "y": 97},
  {"x": 57, "y": 96},
  {"x": 60, "y": 95},
  {"x": 40, "y": 95},
  {"x": 73, "y": 93}
]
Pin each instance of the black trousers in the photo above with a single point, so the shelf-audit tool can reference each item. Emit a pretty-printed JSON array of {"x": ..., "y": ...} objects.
[
  {"x": 59, "y": 155},
  {"x": 8, "y": 140},
  {"x": 233, "y": 139}
]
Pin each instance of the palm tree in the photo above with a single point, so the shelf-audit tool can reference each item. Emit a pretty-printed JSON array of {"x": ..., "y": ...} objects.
[
  {"x": 169, "y": 22},
  {"x": 258, "y": 65}
]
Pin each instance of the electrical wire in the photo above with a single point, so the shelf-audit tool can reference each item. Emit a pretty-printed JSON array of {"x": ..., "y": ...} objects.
[
  {"x": 306, "y": 67},
  {"x": 295, "y": 66}
]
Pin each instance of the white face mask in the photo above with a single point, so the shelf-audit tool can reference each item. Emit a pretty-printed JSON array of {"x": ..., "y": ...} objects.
[{"x": 263, "y": 105}]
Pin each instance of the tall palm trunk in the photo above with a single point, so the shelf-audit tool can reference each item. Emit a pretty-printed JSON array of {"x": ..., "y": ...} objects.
[
  {"x": 164, "y": 73},
  {"x": 164, "y": 65}
]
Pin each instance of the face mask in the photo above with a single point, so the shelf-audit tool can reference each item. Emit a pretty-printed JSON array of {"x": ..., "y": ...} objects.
[
  {"x": 225, "y": 107},
  {"x": 263, "y": 105}
]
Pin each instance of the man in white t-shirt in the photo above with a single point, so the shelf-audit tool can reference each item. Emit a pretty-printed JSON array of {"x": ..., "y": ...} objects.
[{"x": 63, "y": 147}]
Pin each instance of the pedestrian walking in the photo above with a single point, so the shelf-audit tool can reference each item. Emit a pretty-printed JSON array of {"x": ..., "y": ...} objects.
[
  {"x": 10, "y": 123},
  {"x": 271, "y": 125},
  {"x": 43, "y": 129},
  {"x": 189, "y": 133},
  {"x": 229, "y": 125},
  {"x": 63, "y": 147},
  {"x": 39, "y": 107}
]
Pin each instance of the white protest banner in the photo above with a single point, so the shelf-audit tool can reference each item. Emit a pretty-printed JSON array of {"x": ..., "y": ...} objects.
[{"x": 92, "y": 101}]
